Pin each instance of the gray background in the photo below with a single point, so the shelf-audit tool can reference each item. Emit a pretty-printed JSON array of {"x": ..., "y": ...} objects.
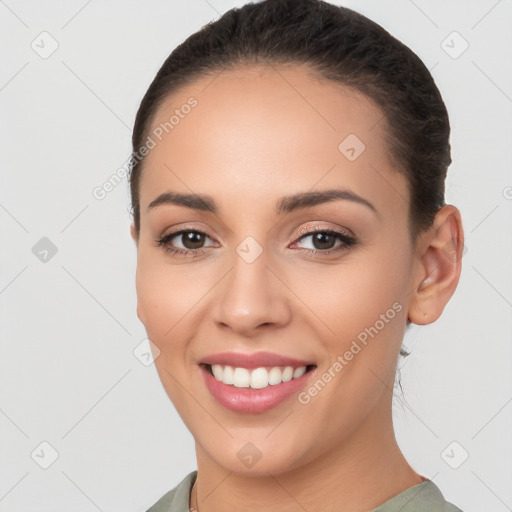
[{"x": 68, "y": 374}]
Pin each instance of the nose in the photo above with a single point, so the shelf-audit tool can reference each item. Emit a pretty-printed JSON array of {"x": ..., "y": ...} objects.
[{"x": 251, "y": 298}]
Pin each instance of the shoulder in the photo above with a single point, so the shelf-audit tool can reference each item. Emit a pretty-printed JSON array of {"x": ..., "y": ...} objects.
[
  {"x": 177, "y": 499},
  {"x": 424, "y": 497}
]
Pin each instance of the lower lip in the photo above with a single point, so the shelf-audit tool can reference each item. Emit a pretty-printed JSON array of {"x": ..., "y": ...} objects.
[{"x": 249, "y": 400}]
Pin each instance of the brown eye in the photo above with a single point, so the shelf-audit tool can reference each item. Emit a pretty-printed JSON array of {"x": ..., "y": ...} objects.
[
  {"x": 185, "y": 242},
  {"x": 323, "y": 241},
  {"x": 192, "y": 239}
]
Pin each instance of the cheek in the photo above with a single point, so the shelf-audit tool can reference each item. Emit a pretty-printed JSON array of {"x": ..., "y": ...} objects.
[
  {"x": 351, "y": 296},
  {"x": 166, "y": 297},
  {"x": 166, "y": 294},
  {"x": 362, "y": 304}
]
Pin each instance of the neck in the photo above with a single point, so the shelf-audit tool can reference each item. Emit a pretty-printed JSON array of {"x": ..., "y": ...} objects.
[{"x": 360, "y": 474}]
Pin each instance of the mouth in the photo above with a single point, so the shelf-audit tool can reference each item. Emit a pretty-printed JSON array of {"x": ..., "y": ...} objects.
[
  {"x": 256, "y": 378},
  {"x": 255, "y": 390}
]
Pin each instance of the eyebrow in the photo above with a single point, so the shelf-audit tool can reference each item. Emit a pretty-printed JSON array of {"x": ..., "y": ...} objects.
[{"x": 286, "y": 204}]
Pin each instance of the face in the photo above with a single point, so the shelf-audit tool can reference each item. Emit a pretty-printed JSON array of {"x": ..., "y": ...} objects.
[{"x": 264, "y": 263}]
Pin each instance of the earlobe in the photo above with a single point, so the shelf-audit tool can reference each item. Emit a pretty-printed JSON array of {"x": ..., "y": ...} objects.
[
  {"x": 135, "y": 237},
  {"x": 438, "y": 266},
  {"x": 133, "y": 234}
]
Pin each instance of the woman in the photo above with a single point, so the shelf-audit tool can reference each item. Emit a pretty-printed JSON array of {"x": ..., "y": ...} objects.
[{"x": 288, "y": 209}]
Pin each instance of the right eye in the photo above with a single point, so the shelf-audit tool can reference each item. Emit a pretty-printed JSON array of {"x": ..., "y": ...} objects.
[{"x": 192, "y": 242}]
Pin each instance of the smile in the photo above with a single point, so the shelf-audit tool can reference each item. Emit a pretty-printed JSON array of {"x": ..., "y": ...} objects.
[
  {"x": 257, "y": 378},
  {"x": 253, "y": 391}
]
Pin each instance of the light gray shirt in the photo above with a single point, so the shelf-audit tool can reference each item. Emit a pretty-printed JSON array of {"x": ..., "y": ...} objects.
[{"x": 424, "y": 497}]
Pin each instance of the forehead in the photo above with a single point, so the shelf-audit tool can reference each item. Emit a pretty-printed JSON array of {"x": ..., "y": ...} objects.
[
  {"x": 269, "y": 98},
  {"x": 264, "y": 127}
]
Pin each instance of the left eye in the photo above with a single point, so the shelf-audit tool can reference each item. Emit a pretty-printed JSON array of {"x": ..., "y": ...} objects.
[{"x": 326, "y": 239}]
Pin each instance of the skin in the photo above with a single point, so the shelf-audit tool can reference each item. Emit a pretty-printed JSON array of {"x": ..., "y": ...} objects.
[{"x": 256, "y": 135}]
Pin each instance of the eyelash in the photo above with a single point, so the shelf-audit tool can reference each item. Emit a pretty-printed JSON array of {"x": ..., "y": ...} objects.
[{"x": 347, "y": 242}]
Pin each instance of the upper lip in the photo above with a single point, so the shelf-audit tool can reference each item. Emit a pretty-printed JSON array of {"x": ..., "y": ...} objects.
[{"x": 255, "y": 360}]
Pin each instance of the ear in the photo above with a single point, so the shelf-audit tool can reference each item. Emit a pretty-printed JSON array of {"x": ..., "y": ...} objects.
[
  {"x": 135, "y": 237},
  {"x": 438, "y": 266},
  {"x": 134, "y": 234}
]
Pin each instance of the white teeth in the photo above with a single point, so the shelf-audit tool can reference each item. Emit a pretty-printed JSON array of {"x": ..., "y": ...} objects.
[
  {"x": 227, "y": 375},
  {"x": 217, "y": 371},
  {"x": 299, "y": 371},
  {"x": 274, "y": 376},
  {"x": 258, "y": 378},
  {"x": 287, "y": 374},
  {"x": 241, "y": 378}
]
